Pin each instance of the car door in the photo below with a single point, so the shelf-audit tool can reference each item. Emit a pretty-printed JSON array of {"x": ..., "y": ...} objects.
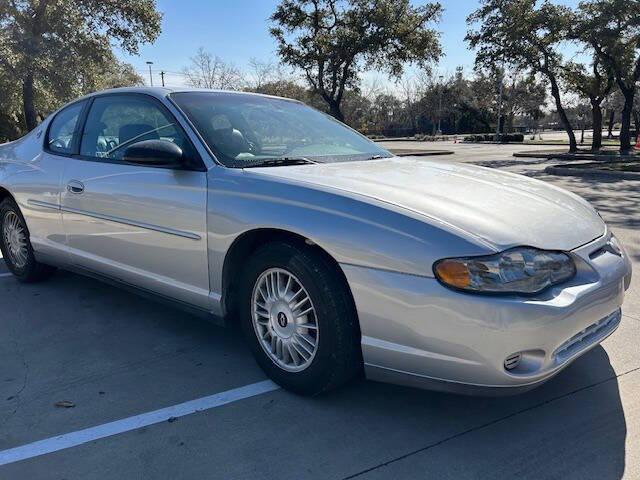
[{"x": 142, "y": 225}]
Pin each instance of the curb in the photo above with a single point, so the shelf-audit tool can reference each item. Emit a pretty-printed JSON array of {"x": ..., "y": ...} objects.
[
  {"x": 490, "y": 143},
  {"x": 585, "y": 172},
  {"x": 424, "y": 153},
  {"x": 534, "y": 154},
  {"x": 406, "y": 152},
  {"x": 545, "y": 144},
  {"x": 574, "y": 156},
  {"x": 393, "y": 139},
  {"x": 596, "y": 157}
]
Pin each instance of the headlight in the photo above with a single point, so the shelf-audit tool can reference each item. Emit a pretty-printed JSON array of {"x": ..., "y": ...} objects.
[{"x": 519, "y": 270}]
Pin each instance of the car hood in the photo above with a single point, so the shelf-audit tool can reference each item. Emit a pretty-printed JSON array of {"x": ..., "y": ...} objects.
[{"x": 502, "y": 209}]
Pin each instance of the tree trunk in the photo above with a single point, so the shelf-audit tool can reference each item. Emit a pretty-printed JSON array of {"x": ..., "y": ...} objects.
[
  {"x": 28, "y": 103},
  {"x": 596, "y": 114},
  {"x": 555, "y": 92},
  {"x": 612, "y": 117},
  {"x": 625, "y": 134},
  {"x": 335, "y": 111}
]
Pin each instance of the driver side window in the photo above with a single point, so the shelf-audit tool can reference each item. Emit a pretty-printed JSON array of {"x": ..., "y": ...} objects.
[
  {"x": 116, "y": 122},
  {"x": 63, "y": 129}
]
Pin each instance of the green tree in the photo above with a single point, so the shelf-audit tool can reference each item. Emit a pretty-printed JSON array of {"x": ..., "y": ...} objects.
[
  {"x": 286, "y": 89},
  {"x": 526, "y": 34},
  {"x": 114, "y": 74},
  {"x": 531, "y": 98},
  {"x": 613, "y": 28},
  {"x": 41, "y": 41},
  {"x": 10, "y": 112},
  {"x": 596, "y": 86},
  {"x": 332, "y": 41},
  {"x": 476, "y": 101},
  {"x": 613, "y": 104},
  {"x": 522, "y": 96}
]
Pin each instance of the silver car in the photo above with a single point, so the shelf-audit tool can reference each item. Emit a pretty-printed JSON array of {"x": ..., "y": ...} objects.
[{"x": 336, "y": 257}]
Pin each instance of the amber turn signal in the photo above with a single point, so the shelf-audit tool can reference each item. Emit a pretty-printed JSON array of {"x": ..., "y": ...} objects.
[{"x": 454, "y": 273}]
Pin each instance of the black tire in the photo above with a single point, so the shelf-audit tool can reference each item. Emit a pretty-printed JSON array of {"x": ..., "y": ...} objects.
[
  {"x": 338, "y": 358},
  {"x": 32, "y": 270}
]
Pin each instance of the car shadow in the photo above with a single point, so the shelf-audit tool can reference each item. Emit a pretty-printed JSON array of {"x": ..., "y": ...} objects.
[{"x": 571, "y": 427}]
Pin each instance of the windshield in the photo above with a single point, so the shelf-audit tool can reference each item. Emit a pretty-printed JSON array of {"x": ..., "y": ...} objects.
[{"x": 250, "y": 130}]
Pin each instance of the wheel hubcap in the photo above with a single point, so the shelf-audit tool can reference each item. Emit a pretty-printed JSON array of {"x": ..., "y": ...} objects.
[
  {"x": 284, "y": 320},
  {"x": 15, "y": 239}
]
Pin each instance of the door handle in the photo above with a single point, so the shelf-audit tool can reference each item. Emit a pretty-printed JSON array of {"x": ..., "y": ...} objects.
[{"x": 74, "y": 186}]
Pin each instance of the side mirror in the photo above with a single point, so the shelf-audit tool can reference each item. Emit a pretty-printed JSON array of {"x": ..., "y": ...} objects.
[{"x": 154, "y": 153}]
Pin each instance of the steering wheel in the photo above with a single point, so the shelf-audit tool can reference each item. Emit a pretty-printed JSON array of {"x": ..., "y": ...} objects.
[
  {"x": 294, "y": 145},
  {"x": 58, "y": 144},
  {"x": 255, "y": 147}
]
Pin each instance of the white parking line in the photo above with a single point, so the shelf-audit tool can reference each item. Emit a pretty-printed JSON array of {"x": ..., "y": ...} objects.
[
  {"x": 5, "y": 274},
  {"x": 73, "y": 439}
]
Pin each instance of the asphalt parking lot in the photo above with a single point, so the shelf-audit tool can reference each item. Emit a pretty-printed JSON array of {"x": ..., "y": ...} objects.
[{"x": 118, "y": 357}]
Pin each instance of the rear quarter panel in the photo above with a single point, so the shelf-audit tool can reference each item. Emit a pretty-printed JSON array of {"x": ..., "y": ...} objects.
[{"x": 32, "y": 177}]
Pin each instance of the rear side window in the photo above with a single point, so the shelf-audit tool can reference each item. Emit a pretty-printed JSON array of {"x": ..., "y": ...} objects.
[
  {"x": 114, "y": 122},
  {"x": 63, "y": 129}
]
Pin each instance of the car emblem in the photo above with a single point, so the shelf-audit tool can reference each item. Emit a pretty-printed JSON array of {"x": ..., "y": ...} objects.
[{"x": 282, "y": 319}]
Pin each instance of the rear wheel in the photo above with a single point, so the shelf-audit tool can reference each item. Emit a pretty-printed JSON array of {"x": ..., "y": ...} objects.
[
  {"x": 299, "y": 319},
  {"x": 16, "y": 246}
]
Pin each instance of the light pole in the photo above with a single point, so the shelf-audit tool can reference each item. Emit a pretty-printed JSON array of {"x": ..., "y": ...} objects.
[
  {"x": 150, "y": 75},
  {"x": 440, "y": 106},
  {"x": 501, "y": 79}
]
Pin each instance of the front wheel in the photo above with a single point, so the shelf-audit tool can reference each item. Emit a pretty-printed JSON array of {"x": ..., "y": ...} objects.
[{"x": 299, "y": 319}]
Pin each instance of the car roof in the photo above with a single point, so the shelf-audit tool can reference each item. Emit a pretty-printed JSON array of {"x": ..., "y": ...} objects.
[{"x": 162, "y": 92}]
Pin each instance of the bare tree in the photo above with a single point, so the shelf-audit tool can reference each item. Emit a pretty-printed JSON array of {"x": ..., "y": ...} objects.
[
  {"x": 263, "y": 73},
  {"x": 429, "y": 88},
  {"x": 409, "y": 94},
  {"x": 210, "y": 71}
]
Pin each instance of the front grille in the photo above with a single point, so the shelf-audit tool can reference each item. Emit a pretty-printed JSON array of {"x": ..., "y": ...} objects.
[
  {"x": 596, "y": 253},
  {"x": 587, "y": 336}
]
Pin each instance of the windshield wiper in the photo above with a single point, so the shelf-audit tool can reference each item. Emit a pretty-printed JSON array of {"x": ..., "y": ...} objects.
[{"x": 279, "y": 162}]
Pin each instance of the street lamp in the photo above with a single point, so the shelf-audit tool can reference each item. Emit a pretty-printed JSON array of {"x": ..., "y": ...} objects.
[
  {"x": 501, "y": 80},
  {"x": 150, "y": 75},
  {"x": 441, "y": 77}
]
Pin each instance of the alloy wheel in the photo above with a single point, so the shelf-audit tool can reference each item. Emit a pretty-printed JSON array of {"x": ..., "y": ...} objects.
[
  {"x": 284, "y": 320},
  {"x": 15, "y": 239}
]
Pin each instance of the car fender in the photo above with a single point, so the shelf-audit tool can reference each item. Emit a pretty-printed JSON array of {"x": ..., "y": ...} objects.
[{"x": 354, "y": 230}]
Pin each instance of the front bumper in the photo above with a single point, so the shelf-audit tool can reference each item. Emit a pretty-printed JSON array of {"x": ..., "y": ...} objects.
[{"x": 417, "y": 332}]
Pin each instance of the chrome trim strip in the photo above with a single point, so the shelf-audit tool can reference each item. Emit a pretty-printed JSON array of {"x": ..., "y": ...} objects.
[
  {"x": 124, "y": 221},
  {"x": 456, "y": 382},
  {"x": 39, "y": 203}
]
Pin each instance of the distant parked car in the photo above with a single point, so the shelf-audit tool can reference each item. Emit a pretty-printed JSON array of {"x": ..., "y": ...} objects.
[{"x": 335, "y": 256}]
